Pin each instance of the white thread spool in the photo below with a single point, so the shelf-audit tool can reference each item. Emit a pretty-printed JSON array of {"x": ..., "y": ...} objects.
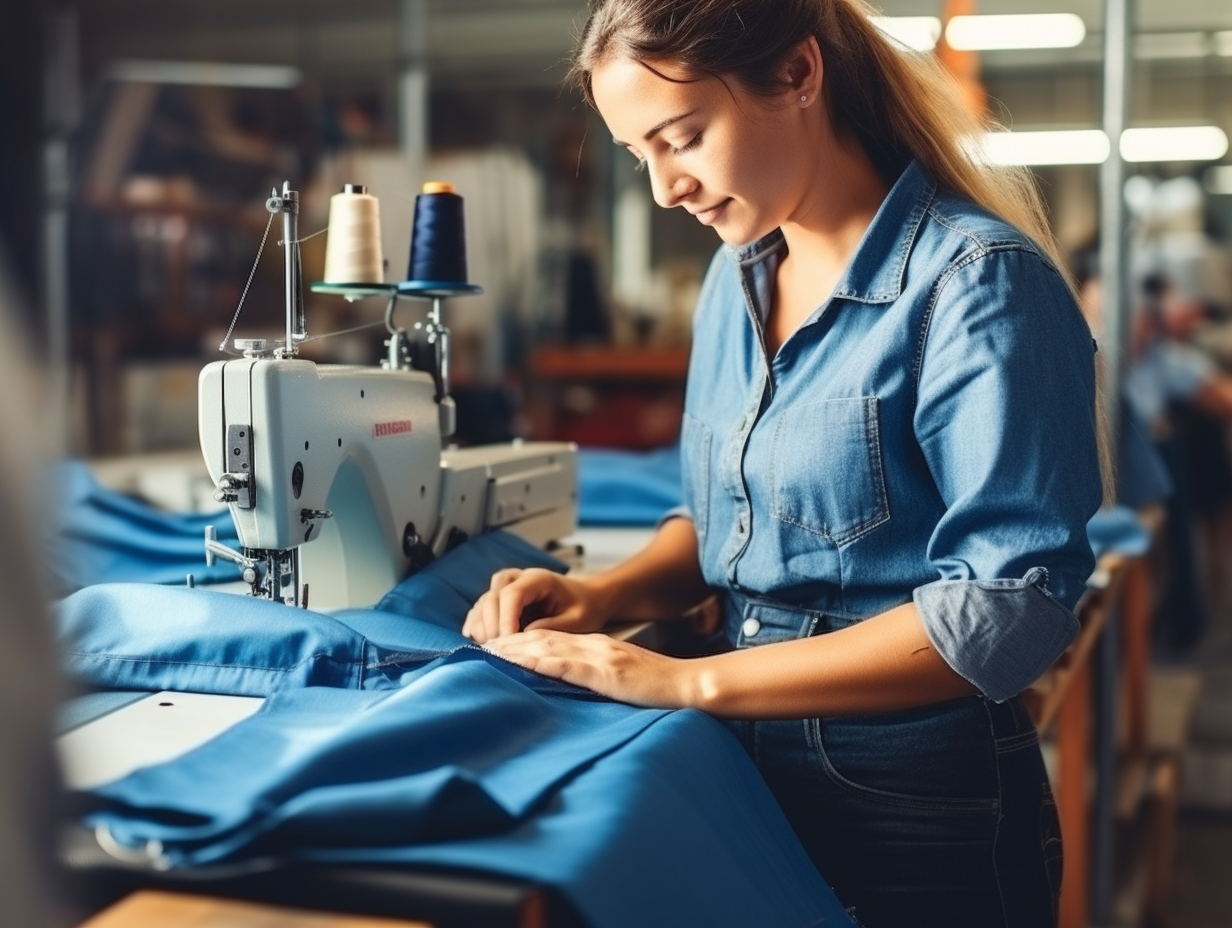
[{"x": 353, "y": 247}]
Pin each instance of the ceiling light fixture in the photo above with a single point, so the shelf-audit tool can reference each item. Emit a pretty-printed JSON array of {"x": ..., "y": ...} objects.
[
  {"x": 1025, "y": 30},
  {"x": 918, "y": 33},
  {"x": 1174, "y": 143},
  {"x": 206, "y": 73},
  {"x": 1064, "y": 146}
]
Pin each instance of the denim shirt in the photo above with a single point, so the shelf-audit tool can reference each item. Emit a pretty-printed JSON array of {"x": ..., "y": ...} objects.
[{"x": 927, "y": 433}]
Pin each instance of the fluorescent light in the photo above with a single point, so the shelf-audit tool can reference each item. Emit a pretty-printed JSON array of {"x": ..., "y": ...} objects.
[
  {"x": 1223, "y": 43},
  {"x": 1067, "y": 146},
  {"x": 214, "y": 74},
  {"x": 918, "y": 33},
  {"x": 1174, "y": 143},
  {"x": 1218, "y": 180},
  {"x": 1021, "y": 30}
]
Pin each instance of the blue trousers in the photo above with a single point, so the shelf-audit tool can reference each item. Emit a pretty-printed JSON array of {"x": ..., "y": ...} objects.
[{"x": 941, "y": 809}]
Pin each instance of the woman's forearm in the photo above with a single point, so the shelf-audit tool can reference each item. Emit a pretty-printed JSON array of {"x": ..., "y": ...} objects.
[
  {"x": 660, "y": 582},
  {"x": 883, "y": 664}
]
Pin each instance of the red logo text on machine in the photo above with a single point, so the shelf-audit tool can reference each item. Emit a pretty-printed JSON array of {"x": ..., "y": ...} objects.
[{"x": 390, "y": 429}]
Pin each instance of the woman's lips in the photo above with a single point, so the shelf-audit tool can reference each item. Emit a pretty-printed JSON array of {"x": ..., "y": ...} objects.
[{"x": 709, "y": 216}]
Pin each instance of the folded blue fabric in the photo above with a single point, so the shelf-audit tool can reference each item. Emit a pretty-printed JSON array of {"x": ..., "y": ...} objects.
[
  {"x": 463, "y": 747},
  {"x": 142, "y": 636},
  {"x": 414, "y": 746},
  {"x": 101, "y": 536},
  {"x": 627, "y": 487}
]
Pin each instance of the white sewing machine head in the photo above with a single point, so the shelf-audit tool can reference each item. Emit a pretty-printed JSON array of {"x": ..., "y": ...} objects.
[{"x": 336, "y": 473}]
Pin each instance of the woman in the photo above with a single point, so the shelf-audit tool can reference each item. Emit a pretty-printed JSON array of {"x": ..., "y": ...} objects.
[{"x": 889, "y": 449}]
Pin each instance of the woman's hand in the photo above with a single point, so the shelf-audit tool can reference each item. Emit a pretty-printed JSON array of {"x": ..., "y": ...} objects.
[
  {"x": 542, "y": 598},
  {"x": 612, "y": 668}
]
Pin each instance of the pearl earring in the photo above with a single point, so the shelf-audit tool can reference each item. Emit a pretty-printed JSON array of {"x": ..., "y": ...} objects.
[{"x": 804, "y": 98}]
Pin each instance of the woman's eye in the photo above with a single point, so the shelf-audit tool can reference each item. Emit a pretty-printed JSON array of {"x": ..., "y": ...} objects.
[{"x": 689, "y": 145}]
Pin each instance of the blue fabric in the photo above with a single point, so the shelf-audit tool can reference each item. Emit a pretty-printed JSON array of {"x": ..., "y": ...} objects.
[
  {"x": 1117, "y": 530},
  {"x": 415, "y": 746},
  {"x": 101, "y": 536},
  {"x": 932, "y": 422},
  {"x": 627, "y": 487}
]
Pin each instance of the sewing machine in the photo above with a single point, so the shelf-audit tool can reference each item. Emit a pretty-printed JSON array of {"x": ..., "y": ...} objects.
[{"x": 336, "y": 476}]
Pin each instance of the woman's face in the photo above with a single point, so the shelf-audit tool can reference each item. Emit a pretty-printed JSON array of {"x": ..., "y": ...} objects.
[{"x": 729, "y": 157}]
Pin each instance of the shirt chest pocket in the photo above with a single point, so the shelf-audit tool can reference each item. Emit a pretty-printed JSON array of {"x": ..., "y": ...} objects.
[{"x": 827, "y": 471}]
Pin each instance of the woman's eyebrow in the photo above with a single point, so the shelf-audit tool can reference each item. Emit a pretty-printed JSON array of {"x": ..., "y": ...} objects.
[{"x": 659, "y": 128}]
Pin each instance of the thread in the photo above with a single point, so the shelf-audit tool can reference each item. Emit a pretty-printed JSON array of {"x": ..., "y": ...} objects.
[
  {"x": 438, "y": 236},
  {"x": 353, "y": 249}
]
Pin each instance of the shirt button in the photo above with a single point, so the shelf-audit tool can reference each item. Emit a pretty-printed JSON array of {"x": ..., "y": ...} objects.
[{"x": 750, "y": 627}]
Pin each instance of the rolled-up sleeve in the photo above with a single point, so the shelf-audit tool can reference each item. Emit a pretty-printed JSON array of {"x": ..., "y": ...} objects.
[
  {"x": 998, "y": 634},
  {"x": 1005, "y": 419}
]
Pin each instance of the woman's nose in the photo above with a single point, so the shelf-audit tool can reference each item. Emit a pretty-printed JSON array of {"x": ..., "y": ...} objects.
[{"x": 669, "y": 186}]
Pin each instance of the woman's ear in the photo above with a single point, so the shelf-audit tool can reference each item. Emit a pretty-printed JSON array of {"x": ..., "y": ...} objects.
[{"x": 803, "y": 70}]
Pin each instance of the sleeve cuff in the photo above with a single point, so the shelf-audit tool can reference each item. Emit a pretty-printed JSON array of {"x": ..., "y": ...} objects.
[
  {"x": 678, "y": 512},
  {"x": 999, "y": 635}
]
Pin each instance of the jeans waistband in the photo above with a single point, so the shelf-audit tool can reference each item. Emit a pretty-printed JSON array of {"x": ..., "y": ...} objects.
[{"x": 750, "y": 620}]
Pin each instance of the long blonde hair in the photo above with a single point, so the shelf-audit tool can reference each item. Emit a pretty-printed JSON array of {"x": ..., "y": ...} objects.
[{"x": 897, "y": 103}]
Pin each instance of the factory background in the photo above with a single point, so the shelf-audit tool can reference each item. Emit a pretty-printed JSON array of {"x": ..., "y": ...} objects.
[{"x": 146, "y": 136}]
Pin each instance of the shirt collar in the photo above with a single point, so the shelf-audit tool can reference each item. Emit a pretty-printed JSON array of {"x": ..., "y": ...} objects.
[{"x": 875, "y": 273}]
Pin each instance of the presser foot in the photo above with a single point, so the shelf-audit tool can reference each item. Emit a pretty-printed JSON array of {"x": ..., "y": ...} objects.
[{"x": 272, "y": 575}]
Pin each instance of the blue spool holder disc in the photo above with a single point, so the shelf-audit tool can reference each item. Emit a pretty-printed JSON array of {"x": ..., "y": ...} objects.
[{"x": 437, "y": 289}]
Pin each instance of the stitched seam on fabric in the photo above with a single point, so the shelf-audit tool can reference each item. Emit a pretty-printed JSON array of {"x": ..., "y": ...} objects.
[
  {"x": 1016, "y": 742},
  {"x": 872, "y": 440},
  {"x": 402, "y": 658},
  {"x": 942, "y": 283},
  {"x": 914, "y": 219},
  {"x": 183, "y": 663},
  {"x": 996, "y": 838},
  {"x": 970, "y": 236},
  {"x": 925, "y": 803}
]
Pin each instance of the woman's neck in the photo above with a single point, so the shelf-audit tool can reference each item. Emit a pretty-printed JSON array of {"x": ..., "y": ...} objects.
[
  {"x": 841, "y": 198},
  {"x": 838, "y": 204}
]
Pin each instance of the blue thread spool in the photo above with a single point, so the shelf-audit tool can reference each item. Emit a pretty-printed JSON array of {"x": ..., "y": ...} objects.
[{"x": 438, "y": 243}]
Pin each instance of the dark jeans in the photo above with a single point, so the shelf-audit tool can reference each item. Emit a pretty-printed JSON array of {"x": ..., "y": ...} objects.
[{"x": 934, "y": 816}]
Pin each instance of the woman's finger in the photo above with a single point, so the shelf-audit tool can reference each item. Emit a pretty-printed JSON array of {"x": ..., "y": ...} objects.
[{"x": 515, "y": 598}]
